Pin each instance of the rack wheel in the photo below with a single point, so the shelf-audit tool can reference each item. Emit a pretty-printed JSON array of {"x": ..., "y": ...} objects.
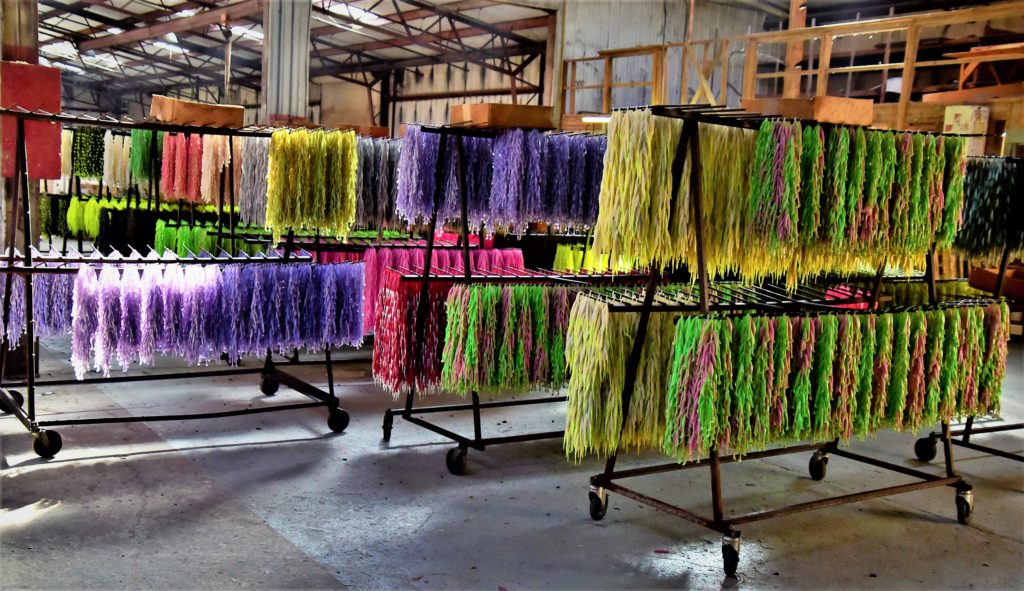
[
  {"x": 46, "y": 444},
  {"x": 269, "y": 385},
  {"x": 730, "y": 555},
  {"x": 925, "y": 449},
  {"x": 818, "y": 465},
  {"x": 456, "y": 461},
  {"x": 964, "y": 506},
  {"x": 389, "y": 421},
  {"x": 337, "y": 420},
  {"x": 598, "y": 505},
  {"x": 18, "y": 398}
]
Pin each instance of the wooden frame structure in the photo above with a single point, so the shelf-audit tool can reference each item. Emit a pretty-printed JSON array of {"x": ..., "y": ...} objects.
[{"x": 705, "y": 55}]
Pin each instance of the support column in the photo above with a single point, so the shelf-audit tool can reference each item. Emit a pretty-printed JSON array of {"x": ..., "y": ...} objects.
[
  {"x": 794, "y": 50},
  {"x": 286, "y": 47}
]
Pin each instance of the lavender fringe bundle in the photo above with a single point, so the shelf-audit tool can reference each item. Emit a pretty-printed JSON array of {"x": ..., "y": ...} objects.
[{"x": 199, "y": 312}]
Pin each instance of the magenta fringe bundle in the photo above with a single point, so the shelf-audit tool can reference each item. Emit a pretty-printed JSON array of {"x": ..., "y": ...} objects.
[
  {"x": 444, "y": 260},
  {"x": 394, "y": 311},
  {"x": 198, "y": 312},
  {"x": 181, "y": 166}
]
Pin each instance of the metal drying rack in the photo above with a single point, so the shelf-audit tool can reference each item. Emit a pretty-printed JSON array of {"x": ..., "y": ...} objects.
[
  {"x": 28, "y": 262},
  {"x": 705, "y": 298},
  {"x": 456, "y": 458}
]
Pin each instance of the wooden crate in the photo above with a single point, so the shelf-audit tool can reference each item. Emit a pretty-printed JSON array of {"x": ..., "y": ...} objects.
[
  {"x": 499, "y": 115},
  {"x": 182, "y": 112},
  {"x": 826, "y": 109}
]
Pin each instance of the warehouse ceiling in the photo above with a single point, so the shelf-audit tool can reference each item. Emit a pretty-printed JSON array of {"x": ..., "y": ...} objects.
[{"x": 114, "y": 48}]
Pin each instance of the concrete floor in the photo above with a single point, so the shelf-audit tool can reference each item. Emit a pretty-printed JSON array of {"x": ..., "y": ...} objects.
[{"x": 275, "y": 501}]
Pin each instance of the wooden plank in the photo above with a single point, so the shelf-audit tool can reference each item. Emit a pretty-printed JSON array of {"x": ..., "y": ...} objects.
[
  {"x": 989, "y": 50},
  {"x": 794, "y": 49},
  {"x": 658, "y": 77},
  {"x": 501, "y": 116},
  {"x": 606, "y": 95},
  {"x": 572, "y": 88},
  {"x": 970, "y": 95},
  {"x": 824, "y": 59},
  {"x": 183, "y": 112},
  {"x": 930, "y": 116},
  {"x": 684, "y": 83},
  {"x": 200, "y": 20},
  {"x": 907, "y": 82},
  {"x": 826, "y": 109},
  {"x": 749, "y": 88},
  {"x": 724, "y": 52}
]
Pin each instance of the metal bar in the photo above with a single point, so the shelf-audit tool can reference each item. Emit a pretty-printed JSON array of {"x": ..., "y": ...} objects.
[
  {"x": 462, "y": 441},
  {"x": 665, "y": 507},
  {"x": 883, "y": 464},
  {"x": 497, "y": 404},
  {"x": 717, "y": 508},
  {"x": 180, "y": 417},
  {"x": 843, "y": 500},
  {"x": 997, "y": 429},
  {"x": 303, "y": 387},
  {"x": 696, "y": 190},
  {"x": 989, "y": 450},
  {"x": 672, "y": 467},
  {"x": 16, "y": 410},
  {"x": 947, "y": 449},
  {"x": 1002, "y": 271},
  {"x": 967, "y": 429}
]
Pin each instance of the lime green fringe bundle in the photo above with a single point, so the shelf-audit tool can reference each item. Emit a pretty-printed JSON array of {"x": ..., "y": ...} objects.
[
  {"x": 743, "y": 383},
  {"x": 311, "y": 181},
  {"x": 598, "y": 342},
  {"x": 504, "y": 338},
  {"x": 185, "y": 238}
]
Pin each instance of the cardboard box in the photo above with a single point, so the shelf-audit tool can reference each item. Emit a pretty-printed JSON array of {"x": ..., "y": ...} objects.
[
  {"x": 31, "y": 87},
  {"x": 182, "y": 112},
  {"x": 498, "y": 115},
  {"x": 968, "y": 119}
]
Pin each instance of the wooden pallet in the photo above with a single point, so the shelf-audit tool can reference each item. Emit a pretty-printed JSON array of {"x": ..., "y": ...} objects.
[{"x": 501, "y": 116}]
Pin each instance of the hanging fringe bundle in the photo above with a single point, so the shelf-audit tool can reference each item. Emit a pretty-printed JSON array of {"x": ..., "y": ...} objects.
[
  {"x": 311, "y": 181},
  {"x": 993, "y": 209},
  {"x": 477, "y": 344},
  {"x": 87, "y": 152},
  {"x": 252, "y": 190},
  {"x": 214, "y": 160},
  {"x": 199, "y": 312}
]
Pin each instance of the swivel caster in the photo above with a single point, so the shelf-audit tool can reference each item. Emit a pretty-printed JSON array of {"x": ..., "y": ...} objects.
[
  {"x": 730, "y": 554},
  {"x": 964, "y": 506},
  {"x": 269, "y": 385},
  {"x": 818, "y": 465},
  {"x": 389, "y": 421},
  {"x": 925, "y": 449},
  {"x": 337, "y": 420},
  {"x": 598, "y": 503},
  {"x": 46, "y": 444},
  {"x": 18, "y": 398},
  {"x": 456, "y": 461}
]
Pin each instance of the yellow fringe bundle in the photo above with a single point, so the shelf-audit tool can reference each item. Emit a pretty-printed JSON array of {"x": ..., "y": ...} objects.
[{"x": 311, "y": 181}]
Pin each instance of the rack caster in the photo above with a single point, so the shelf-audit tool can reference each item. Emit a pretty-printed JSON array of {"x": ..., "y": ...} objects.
[
  {"x": 46, "y": 444},
  {"x": 818, "y": 465},
  {"x": 269, "y": 385},
  {"x": 730, "y": 554},
  {"x": 456, "y": 461},
  {"x": 18, "y": 398},
  {"x": 389, "y": 421},
  {"x": 598, "y": 503},
  {"x": 337, "y": 420},
  {"x": 926, "y": 448},
  {"x": 964, "y": 505}
]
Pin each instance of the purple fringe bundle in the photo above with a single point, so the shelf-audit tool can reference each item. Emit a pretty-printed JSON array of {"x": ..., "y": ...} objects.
[
  {"x": 516, "y": 178},
  {"x": 199, "y": 312}
]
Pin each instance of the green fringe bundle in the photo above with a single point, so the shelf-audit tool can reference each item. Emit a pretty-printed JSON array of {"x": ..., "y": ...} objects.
[
  {"x": 505, "y": 338},
  {"x": 87, "y": 152},
  {"x": 143, "y": 165},
  {"x": 181, "y": 239},
  {"x": 311, "y": 181},
  {"x": 743, "y": 383}
]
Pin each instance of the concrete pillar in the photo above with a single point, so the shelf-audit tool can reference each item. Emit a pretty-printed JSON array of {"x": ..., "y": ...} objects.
[{"x": 286, "y": 46}]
